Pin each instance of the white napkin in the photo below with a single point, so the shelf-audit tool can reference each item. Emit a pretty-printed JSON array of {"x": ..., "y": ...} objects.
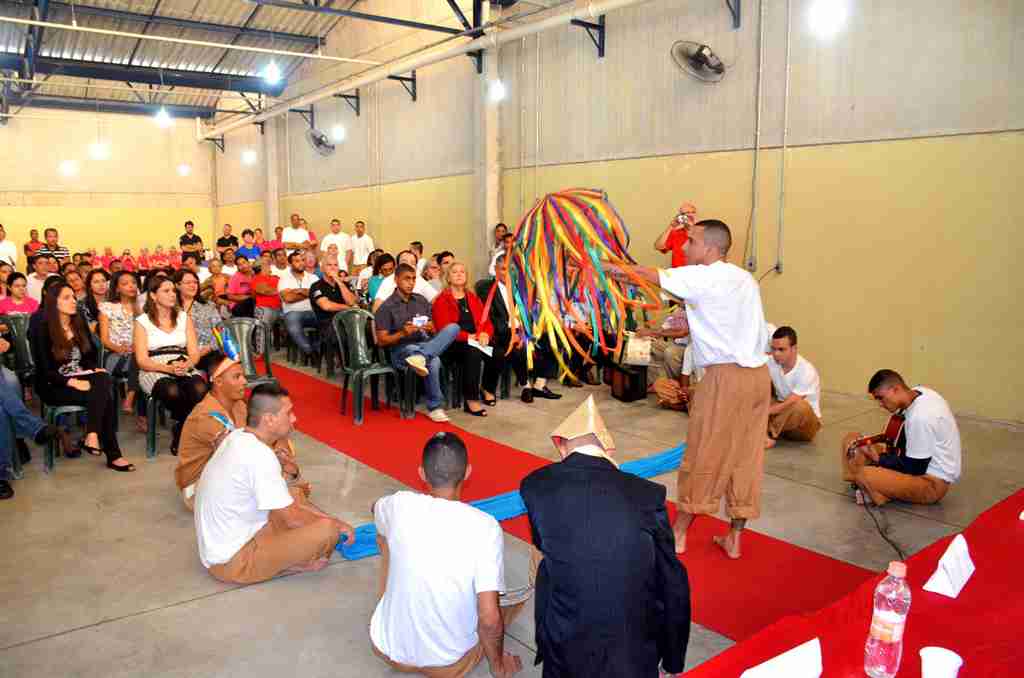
[
  {"x": 955, "y": 568},
  {"x": 803, "y": 661}
]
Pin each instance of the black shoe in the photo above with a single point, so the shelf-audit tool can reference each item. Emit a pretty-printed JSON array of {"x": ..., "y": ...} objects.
[
  {"x": 527, "y": 396},
  {"x": 46, "y": 434},
  {"x": 479, "y": 413},
  {"x": 546, "y": 393},
  {"x": 23, "y": 452},
  {"x": 6, "y": 491}
]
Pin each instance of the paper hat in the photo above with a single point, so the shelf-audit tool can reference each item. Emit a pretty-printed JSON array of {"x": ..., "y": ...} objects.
[
  {"x": 585, "y": 421},
  {"x": 226, "y": 342}
]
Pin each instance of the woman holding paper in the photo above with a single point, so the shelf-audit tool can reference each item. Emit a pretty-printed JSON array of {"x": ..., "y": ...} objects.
[{"x": 457, "y": 304}]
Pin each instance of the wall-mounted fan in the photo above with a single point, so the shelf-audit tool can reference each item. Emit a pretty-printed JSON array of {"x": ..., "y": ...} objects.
[
  {"x": 319, "y": 141},
  {"x": 698, "y": 61}
]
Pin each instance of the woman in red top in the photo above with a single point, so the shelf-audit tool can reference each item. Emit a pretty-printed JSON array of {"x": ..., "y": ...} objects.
[
  {"x": 143, "y": 260},
  {"x": 459, "y": 305},
  {"x": 159, "y": 259},
  {"x": 128, "y": 261}
]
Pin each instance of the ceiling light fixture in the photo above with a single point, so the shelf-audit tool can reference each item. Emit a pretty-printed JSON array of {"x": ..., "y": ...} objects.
[
  {"x": 249, "y": 156},
  {"x": 338, "y": 133},
  {"x": 827, "y": 17},
  {"x": 184, "y": 169},
  {"x": 68, "y": 168},
  {"x": 99, "y": 150},
  {"x": 163, "y": 118},
  {"x": 496, "y": 91},
  {"x": 272, "y": 74}
]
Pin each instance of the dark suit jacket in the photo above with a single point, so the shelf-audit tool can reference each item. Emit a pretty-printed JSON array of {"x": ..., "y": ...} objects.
[
  {"x": 499, "y": 319},
  {"x": 612, "y": 598}
]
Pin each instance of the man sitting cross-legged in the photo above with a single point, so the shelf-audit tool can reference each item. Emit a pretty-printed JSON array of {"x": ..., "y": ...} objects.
[
  {"x": 795, "y": 412},
  {"x": 922, "y": 463},
  {"x": 250, "y": 526},
  {"x": 404, "y": 325},
  {"x": 442, "y": 571}
]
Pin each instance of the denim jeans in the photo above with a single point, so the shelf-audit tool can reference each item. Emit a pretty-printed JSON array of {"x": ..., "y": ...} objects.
[
  {"x": 295, "y": 322},
  {"x": 15, "y": 420},
  {"x": 431, "y": 351}
]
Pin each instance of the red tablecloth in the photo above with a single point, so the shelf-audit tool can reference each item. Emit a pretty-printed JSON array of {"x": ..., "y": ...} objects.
[{"x": 984, "y": 625}]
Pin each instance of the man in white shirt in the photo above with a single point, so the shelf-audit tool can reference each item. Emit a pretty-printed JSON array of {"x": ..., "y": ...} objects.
[
  {"x": 725, "y": 441},
  {"x": 294, "y": 287},
  {"x": 388, "y": 284},
  {"x": 361, "y": 245},
  {"x": 280, "y": 266},
  {"x": 41, "y": 270},
  {"x": 417, "y": 248},
  {"x": 795, "y": 412},
  {"x": 337, "y": 237},
  {"x": 8, "y": 250},
  {"x": 249, "y": 525},
  {"x": 924, "y": 460},
  {"x": 295, "y": 237},
  {"x": 443, "y": 570}
]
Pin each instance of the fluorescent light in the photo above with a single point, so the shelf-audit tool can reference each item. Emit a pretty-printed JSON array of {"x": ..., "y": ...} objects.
[
  {"x": 338, "y": 133},
  {"x": 68, "y": 168},
  {"x": 249, "y": 157},
  {"x": 496, "y": 90},
  {"x": 163, "y": 118},
  {"x": 99, "y": 150},
  {"x": 272, "y": 74},
  {"x": 827, "y": 17},
  {"x": 184, "y": 169}
]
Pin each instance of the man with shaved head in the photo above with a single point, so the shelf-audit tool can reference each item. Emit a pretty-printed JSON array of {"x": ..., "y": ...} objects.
[{"x": 725, "y": 444}]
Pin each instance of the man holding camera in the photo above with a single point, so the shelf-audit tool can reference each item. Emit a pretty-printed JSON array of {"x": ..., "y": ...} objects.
[{"x": 675, "y": 236}]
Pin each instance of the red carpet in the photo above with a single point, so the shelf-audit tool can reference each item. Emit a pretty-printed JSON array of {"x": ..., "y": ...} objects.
[{"x": 734, "y": 598}]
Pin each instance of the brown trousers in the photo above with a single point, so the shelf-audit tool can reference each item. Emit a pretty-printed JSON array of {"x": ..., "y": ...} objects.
[
  {"x": 882, "y": 484},
  {"x": 796, "y": 421},
  {"x": 725, "y": 445},
  {"x": 273, "y": 551},
  {"x": 469, "y": 660}
]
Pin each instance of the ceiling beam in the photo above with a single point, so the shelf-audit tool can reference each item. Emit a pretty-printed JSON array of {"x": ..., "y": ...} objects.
[
  {"x": 108, "y": 106},
  {"x": 322, "y": 9}
]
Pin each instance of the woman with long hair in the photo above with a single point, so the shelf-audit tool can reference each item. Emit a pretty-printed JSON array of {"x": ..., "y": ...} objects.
[
  {"x": 457, "y": 304},
  {"x": 5, "y": 271},
  {"x": 204, "y": 316},
  {"x": 97, "y": 284},
  {"x": 77, "y": 282},
  {"x": 17, "y": 299},
  {"x": 166, "y": 350},
  {"x": 68, "y": 373},
  {"x": 117, "y": 325},
  {"x": 383, "y": 266}
]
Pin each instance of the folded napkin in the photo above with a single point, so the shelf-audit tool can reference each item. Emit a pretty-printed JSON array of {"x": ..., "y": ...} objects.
[
  {"x": 803, "y": 661},
  {"x": 955, "y": 568}
]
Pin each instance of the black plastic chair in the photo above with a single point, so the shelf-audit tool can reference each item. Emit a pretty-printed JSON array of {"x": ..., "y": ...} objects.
[
  {"x": 360, "y": 361},
  {"x": 245, "y": 331}
]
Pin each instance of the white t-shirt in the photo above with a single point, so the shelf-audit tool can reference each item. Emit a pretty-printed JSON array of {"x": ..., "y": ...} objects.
[
  {"x": 422, "y": 287},
  {"x": 204, "y": 274},
  {"x": 229, "y": 270},
  {"x": 803, "y": 380},
  {"x": 420, "y": 265},
  {"x": 8, "y": 252},
  {"x": 442, "y": 554},
  {"x": 932, "y": 432},
  {"x": 240, "y": 484},
  {"x": 299, "y": 235},
  {"x": 34, "y": 285},
  {"x": 723, "y": 307},
  {"x": 361, "y": 246},
  {"x": 364, "y": 277},
  {"x": 342, "y": 241},
  {"x": 288, "y": 281},
  {"x": 280, "y": 272},
  {"x": 689, "y": 369}
]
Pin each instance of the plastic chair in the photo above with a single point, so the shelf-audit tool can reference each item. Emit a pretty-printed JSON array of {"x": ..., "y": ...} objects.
[
  {"x": 155, "y": 417},
  {"x": 244, "y": 331},
  {"x": 51, "y": 413},
  {"x": 24, "y": 366},
  {"x": 16, "y": 472},
  {"x": 360, "y": 361}
]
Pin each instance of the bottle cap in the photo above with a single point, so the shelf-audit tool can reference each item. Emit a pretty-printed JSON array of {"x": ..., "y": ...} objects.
[{"x": 897, "y": 569}]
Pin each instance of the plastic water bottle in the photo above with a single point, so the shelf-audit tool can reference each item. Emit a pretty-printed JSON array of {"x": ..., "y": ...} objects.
[{"x": 884, "y": 647}]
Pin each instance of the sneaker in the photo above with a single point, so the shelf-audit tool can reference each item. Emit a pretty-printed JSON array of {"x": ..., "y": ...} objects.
[
  {"x": 438, "y": 416},
  {"x": 419, "y": 364}
]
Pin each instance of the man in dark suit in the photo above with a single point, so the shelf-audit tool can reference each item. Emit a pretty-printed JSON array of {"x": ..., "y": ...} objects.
[
  {"x": 612, "y": 597},
  {"x": 535, "y": 386}
]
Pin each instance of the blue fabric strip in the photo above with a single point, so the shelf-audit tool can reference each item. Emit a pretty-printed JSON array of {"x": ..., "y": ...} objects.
[{"x": 510, "y": 505}]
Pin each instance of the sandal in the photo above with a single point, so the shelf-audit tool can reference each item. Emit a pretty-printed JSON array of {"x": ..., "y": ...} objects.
[
  {"x": 127, "y": 468},
  {"x": 478, "y": 413},
  {"x": 490, "y": 402},
  {"x": 94, "y": 451}
]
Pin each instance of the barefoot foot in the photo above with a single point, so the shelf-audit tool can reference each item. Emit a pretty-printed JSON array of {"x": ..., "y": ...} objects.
[
  {"x": 730, "y": 544},
  {"x": 769, "y": 443}
]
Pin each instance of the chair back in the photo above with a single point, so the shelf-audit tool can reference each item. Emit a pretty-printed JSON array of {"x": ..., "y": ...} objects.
[
  {"x": 244, "y": 331},
  {"x": 352, "y": 327},
  {"x": 22, "y": 347}
]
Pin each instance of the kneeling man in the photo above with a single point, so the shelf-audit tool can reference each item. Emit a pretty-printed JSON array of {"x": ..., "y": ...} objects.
[
  {"x": 441, "y": 573},
  {"x": 249, "y": 525},
  {"x": 923, "y": 460},
  {"x": 795, "y": 412}
]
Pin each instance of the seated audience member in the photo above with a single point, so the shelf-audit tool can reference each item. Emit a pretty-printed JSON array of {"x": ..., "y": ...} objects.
[
  {"x": 17, "y": 299},
  {"x": 259, "y": 241},
  {"x": 97, "y": 286},
  {"x": 228, "y": 267},
  {"x": 5, "y": 271},
  {"x": 159, "y": 258},
  {"x": 668, "y": 343},
  {"x": 383, "y": 267},
  {"x": 442, "y": 573},
  {"x": 67, "y": 372},
  {"x": 581, "y": 369},
  {"x": 264, "y": 263},
  {"x": 617, "y": 605},
  {"x": 249, "y": 249},
  {"x": 240, "y": 292},
  {"x": 387, "y": 285},
  {"x": 417, "y": 248},
  {"x": 294, "y": 287},
  {"x": 460, "y": 306},
  {"x": 921, "y": 465},
  {"x": 250, "y": 526},
  {"x": 444, "y": 260},
  {"x": 506, "y": 243},
  {"x": 404, "y": 326},
  {"x": 216, "y": 287},
  {"x": 280, "y": 266},
  {"x": 432, "y": 274},
  {"x": 117, "y": 325},
  {"x": 204, "y": 316},
  {"x": 106, "y": 258},
  {"x": 173, "y": 258},
  {"x": 795, "y": 412},
  {"x": 77, "y": 282},
  {"x": 504, "y": 335},
  {"x": 16, "y": 422},
  {"x": 327, "y": 297},
  {"x": 68, "y": 265},
  {"x": 40, "y": 272},
  {"x": 166, "y": 351},
  {"x": 115, "y": 266},
  {"x": 267, "y": 297},
  {"x": 675, "y": 235},
  {"x": 128, "y": 262},
  {"x": 312, "y": 263},
  {"x": 365, "y": 271}
]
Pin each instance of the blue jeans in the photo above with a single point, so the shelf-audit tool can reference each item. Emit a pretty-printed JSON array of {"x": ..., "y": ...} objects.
[
  {"x": 431, "y": 350},
  {"x": 295, "y": 322},
  {"x": 15, "y": 420}
]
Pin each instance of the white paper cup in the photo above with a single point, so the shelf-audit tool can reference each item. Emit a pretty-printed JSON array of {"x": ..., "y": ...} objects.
[{"x": 938, "y": 662}]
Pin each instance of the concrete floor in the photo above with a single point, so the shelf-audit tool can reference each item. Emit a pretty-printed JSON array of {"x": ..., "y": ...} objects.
[{"x": 99, "y": 574}]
